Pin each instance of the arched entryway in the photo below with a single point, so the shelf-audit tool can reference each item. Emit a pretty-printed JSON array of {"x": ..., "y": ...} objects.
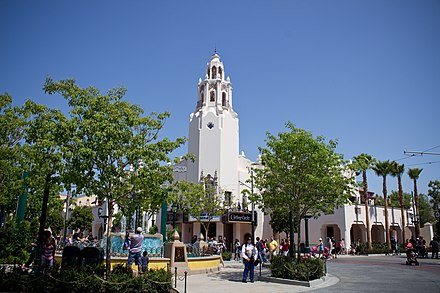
[
  {"x": 357, "y": 231},
  {"x": 396, "y": 232},
  {"x": 378, "y": 233},
  {"x": 331, "y": 230}
]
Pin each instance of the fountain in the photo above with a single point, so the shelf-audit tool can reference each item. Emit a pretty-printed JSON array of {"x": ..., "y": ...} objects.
[{"x": 153, "y": 244}]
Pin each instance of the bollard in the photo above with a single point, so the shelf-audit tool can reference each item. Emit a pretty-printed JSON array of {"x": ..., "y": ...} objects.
[
  {"x": 185, "y": 282},
  {"x": 175, "y": 277}
]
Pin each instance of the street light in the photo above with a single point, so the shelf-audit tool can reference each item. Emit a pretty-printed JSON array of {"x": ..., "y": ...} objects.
[
  {"x": 252, "y": 204},
  {"x": 66, "y": 215},
  {"x": 306, "y": 222},
  {"x": 102, "y": 213}
]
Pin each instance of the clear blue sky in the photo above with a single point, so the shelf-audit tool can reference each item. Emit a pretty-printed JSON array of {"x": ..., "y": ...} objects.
[{"x": 364, "y": 72}]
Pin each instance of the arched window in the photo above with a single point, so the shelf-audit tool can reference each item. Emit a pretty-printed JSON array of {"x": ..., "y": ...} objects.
[
  {"x": 203, "y": 98},
  {"x": 224, "y": 99},
  {"x": 207, "y": 73},
  {"x": 220, "y": 72},
  {"x": 214, "y": 72},
  {"x": 212, "y": 99}
]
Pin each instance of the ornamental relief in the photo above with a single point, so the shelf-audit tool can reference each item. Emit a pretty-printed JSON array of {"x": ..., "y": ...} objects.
[{"x": 212, "y": 86}]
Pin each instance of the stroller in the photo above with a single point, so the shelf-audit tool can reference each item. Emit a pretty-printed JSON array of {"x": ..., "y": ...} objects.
[
  {"x": 326, "y": 253},
  {"x": 411, "y": 257}
]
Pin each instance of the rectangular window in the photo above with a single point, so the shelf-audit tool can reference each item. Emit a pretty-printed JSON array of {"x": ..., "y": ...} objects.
[{"x": 228, "y": 198}]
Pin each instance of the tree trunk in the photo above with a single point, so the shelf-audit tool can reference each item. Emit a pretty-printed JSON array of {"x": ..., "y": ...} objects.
[
  {"x": 40, "y": 239},
  {"x": 402, "y": 208},
  {"x": 206, "y": 226},
  {"x": 109, "y": 243},
  {"x": 387, "y": 226},
  {"x": 367, "y": 210},
  {"x": 298, "y": 242},
  {"x": 291, "y": 233},
  {"x": 416, "y": 202}
]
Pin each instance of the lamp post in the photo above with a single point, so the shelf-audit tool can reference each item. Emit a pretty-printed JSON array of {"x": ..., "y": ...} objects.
[
  {"x": 306, "y": 222},
  {"x": 66, "y": 216},
  {"x": 252, "y": 205},
  {"x": 102, "y": 213}
]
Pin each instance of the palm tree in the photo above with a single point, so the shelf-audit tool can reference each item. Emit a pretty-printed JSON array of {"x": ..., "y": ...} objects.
[
  {"x": 383, "y": 168},
  {"x": 397, "y": 171},
  {"x": 414, "y": 175},
  {"x": 362, "y": 163}
]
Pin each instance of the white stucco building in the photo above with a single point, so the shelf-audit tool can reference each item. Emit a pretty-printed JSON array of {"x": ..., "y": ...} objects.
[{"x": 214, "y": 140}]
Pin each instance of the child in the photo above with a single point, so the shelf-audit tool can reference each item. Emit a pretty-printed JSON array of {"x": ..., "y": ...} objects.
[
  {"x": 144, "y": 262},
  {"x": 48, "y": 251}
]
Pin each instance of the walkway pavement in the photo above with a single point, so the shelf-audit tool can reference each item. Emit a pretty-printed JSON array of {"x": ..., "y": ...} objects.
[{"x": 345, "y": 274}]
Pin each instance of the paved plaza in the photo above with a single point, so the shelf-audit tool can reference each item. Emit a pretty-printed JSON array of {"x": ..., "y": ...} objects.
[{"x": 346, "y": 274}]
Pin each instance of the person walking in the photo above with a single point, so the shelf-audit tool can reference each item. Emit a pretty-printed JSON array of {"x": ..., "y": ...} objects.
[
  {"x": 434, "y": 247},
  {"x": 249, "y": 254},
  {"x": 237, "y": 249},
  {"x": 135, "y": 249},
  {"x": 273, "y": 245}
]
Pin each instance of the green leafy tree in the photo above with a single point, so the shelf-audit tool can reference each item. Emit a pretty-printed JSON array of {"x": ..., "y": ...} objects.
[
  {"x": 301, "y": 175},
  {"x": 200, "y": 200},
  {"x": 414, "y": 174},
  {"x": 362, "y": 163},
  {"x": 383, "y": 169},
  {"x": 54, "y": 218},
  {"x": 12, "y": 124},
  {"x": 44, "y": 135},
  {"x": 397, "y": 171},
  {"x": 81, "y": 217},
  {"x": 279, "y": 222},
  {"x": 15, "y": 242},
  {"x": 395, "y": 199},
  {"x": 434, "y": 192},
  {"x": 426, "y": 211},
  {"x": 108, "y": 137}
]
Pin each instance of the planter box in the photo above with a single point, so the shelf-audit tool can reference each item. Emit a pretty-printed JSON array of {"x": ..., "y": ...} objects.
[{"x": 292, "y": 282}]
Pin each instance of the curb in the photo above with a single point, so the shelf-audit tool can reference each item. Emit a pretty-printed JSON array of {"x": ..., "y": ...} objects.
[{"x": 311, "y": 283}]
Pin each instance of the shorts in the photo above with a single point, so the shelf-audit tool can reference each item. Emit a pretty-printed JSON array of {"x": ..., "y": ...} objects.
[
  {"x": 136, "y": 256},
  {"x": 46, "y": 262}
]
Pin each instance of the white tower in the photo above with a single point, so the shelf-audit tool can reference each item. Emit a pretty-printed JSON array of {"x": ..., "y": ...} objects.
[{"x": 213, "y": 130}]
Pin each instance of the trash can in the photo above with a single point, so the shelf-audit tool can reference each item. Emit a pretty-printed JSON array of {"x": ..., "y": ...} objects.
[
  {"x": 71, "y": 257},
  {"x": 92, "y": 256}
]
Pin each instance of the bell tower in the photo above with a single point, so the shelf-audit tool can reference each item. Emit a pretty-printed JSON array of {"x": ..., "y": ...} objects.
[{"x": 213, "y": 130}]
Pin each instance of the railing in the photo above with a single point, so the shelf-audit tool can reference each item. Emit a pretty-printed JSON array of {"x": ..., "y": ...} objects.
[
  {"x": 195, "y": 251},
  {"x": 79, "y": 244}
]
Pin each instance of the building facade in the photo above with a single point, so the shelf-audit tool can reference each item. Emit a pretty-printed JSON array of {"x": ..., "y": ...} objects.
[{"x": 214, "y": 141}]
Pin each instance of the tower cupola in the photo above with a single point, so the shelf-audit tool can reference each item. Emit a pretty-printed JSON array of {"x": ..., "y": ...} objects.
[{"x": 215, "y": 92}]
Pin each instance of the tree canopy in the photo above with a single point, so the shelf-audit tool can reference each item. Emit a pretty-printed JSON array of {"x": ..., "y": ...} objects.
[
  {"x": 302, "y": 174},
  {"x": 114, "y": 151},
  {"x": 202, "y": 201}
]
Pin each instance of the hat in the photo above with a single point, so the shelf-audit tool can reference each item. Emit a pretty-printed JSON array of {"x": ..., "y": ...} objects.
[
  {"x": 320, "y": 239},
  {"x": 139, "y": 229}
]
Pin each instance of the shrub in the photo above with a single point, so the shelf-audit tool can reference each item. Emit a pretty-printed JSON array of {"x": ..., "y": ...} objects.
[
  {"x": 15, "y": 243},
  {"x": 86, "y": 279},
  {"x": 307, "y": 269},
  {"x": 281, "y": 267},
  {"x": 226, "y": 255},
  {"x": 153, "y": 229}
]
